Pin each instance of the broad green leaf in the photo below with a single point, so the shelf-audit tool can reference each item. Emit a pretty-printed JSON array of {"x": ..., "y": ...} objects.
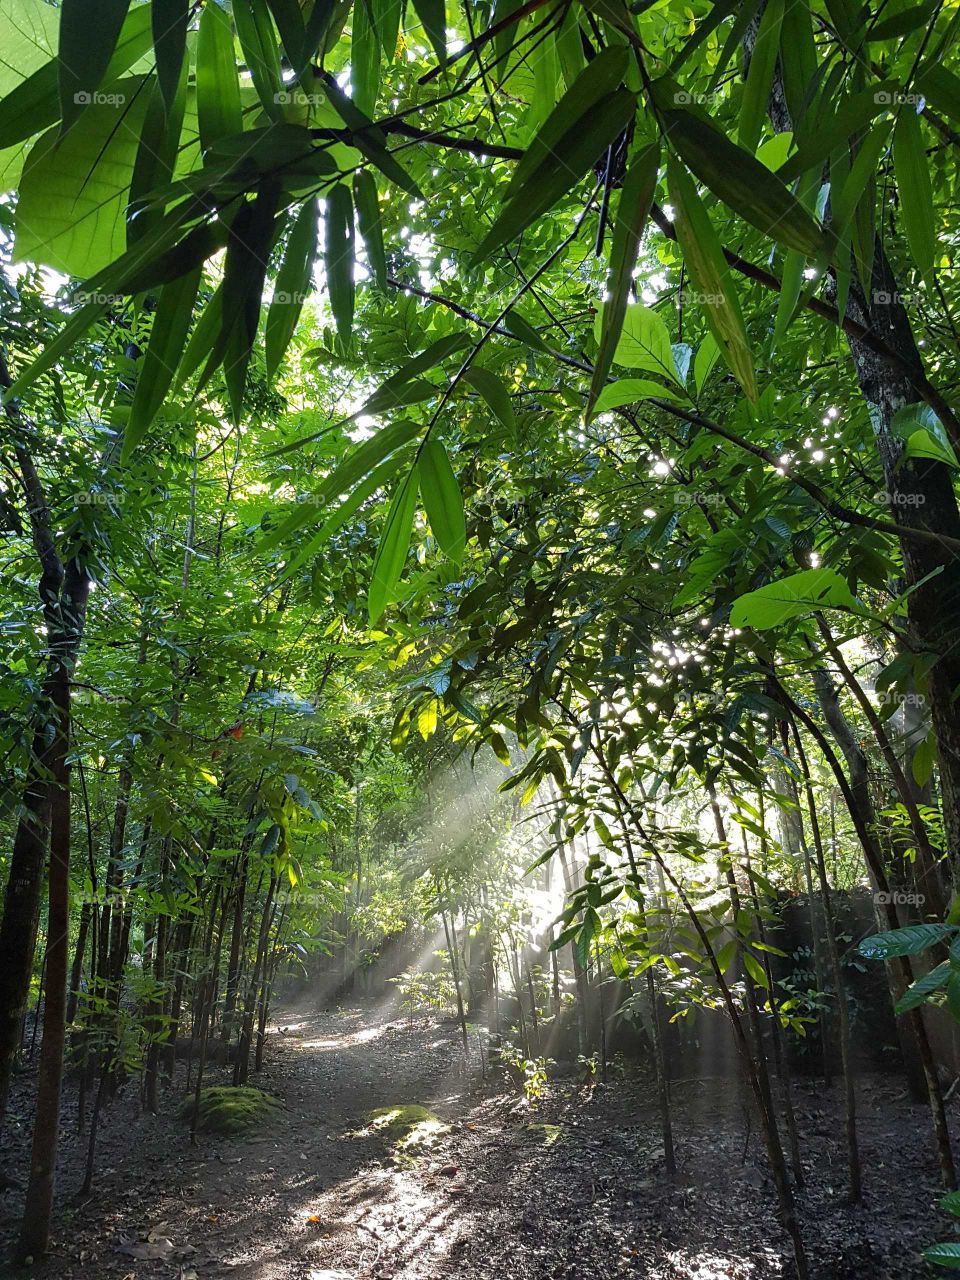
[
  {"x": 169, "y": 19},
  {"x": 294, "y": 283},
  {"x": 763, "y": 62},
  {"x": 919, "y": 992},
  {"x": 369, "y": 224},
  {"x": 338, "y": 257},
  {"x": 495, "y": 393},
  {"x": 636, "y": 197},
  {"x": 925, "y": 444},
  {"x": 560, "y": 169},
  {"x": 905, "y": 942},
  {"x": 793, "y": 597},
  {"x": 394, "y": 544},
  {"x": 74, "y": 189},
  {"x": 755, "y": 969},
  {"x": 798, "y": 59},
  {"x": 442, "y": 499},
  {"x": 631, "y": 391},
  {"x": 708, "y": 353},
  {"x": 30, "y": 30},
  {"x": 915, "y": 190},
  {"x": 88, "y": 38},
  {"x": 704, "y": 258},
  {"x": 745, "y": 184},
  {"x": 944, "y": 1255},
  {"x": 644, "y": 342},
  {"x": 390, "y": 394},
  {"x": 218, "y": 89}
]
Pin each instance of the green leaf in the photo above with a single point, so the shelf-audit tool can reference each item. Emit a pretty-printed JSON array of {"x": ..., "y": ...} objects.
[
  {"x": 925, "y": 444},
  {"x": 944, "y": 1255},
  {"x": 338, "y": 258},
  {"x": 368, "y": 220},
  {"x": 167, "y": 336},
  {"x": 72, "y": 332},
  {"x": 755, "y": 969},
  {"x": 919, "y": 992},
  {"x": 644, "y": 342},
  {"x": 365, "y": 57},
  {"x": 289, "y": 21},
  {"x": 923, "y": 760},
  {"x": 599, "y": 79},
  {"x": 218, "y": 89},
  {"x": 251, "y": 237},
  {"x": 633, "y": 209},
  {"x": 562, "y": 168},
  {"x": 915, "y": 190},
  {"x": 904, "y": 942},
  {"x": 496, "y": 395},
  {"x": 442, "y": 499},
  {"x": 169, "y": 19},
  {"x": 369, "y": 140},
  {"x": 34, "y": 104},
  {"x": 294, "y": 280},
  {"x": 632, "y": 391},
  {"x": 258, "y": 41},
  {"x": 388, "y": 440},
  {"x": 828, "y": 132},
  {"x": 763, "y": 61},
  {"x": 792, "y": 597},
  {"x": 433, "y": 15},
  {"x": 394, "y": 543},
  {"x": 708, "y": 353},
  {"x": 704, "y": 258},
  {"x": 74, "y": 189},
  {"x": 941, "y": 88},
  {"x": 744, "y": 183},
  {"x": 84, "y": 52}
]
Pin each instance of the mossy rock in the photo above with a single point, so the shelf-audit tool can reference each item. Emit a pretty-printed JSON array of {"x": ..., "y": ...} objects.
[
  {"x": 410, "y": 1128},
  {"x": 232, "y": 1112}
]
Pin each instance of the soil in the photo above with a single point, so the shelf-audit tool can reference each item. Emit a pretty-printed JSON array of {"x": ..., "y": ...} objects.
[{"x": 572, "y": 1185}]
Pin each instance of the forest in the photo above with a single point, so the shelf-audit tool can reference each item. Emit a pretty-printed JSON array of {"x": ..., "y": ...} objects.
[{"x": 479, "y": 639}]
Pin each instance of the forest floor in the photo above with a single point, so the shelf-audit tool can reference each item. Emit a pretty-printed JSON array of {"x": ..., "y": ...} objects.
[{"x": 492, "y": 1187}]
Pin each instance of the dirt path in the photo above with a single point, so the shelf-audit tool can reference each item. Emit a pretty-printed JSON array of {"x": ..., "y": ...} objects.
[{"x": 489, "y": 1188}]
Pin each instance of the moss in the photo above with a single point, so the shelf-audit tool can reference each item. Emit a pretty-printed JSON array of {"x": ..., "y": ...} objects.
[
  {"x": 232, "y": 1112},
  {"x": 409, "y": 1127}
]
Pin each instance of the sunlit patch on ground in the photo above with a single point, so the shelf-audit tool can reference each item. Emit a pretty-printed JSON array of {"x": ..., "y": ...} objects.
[{"x": 699, "y": 1265}]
